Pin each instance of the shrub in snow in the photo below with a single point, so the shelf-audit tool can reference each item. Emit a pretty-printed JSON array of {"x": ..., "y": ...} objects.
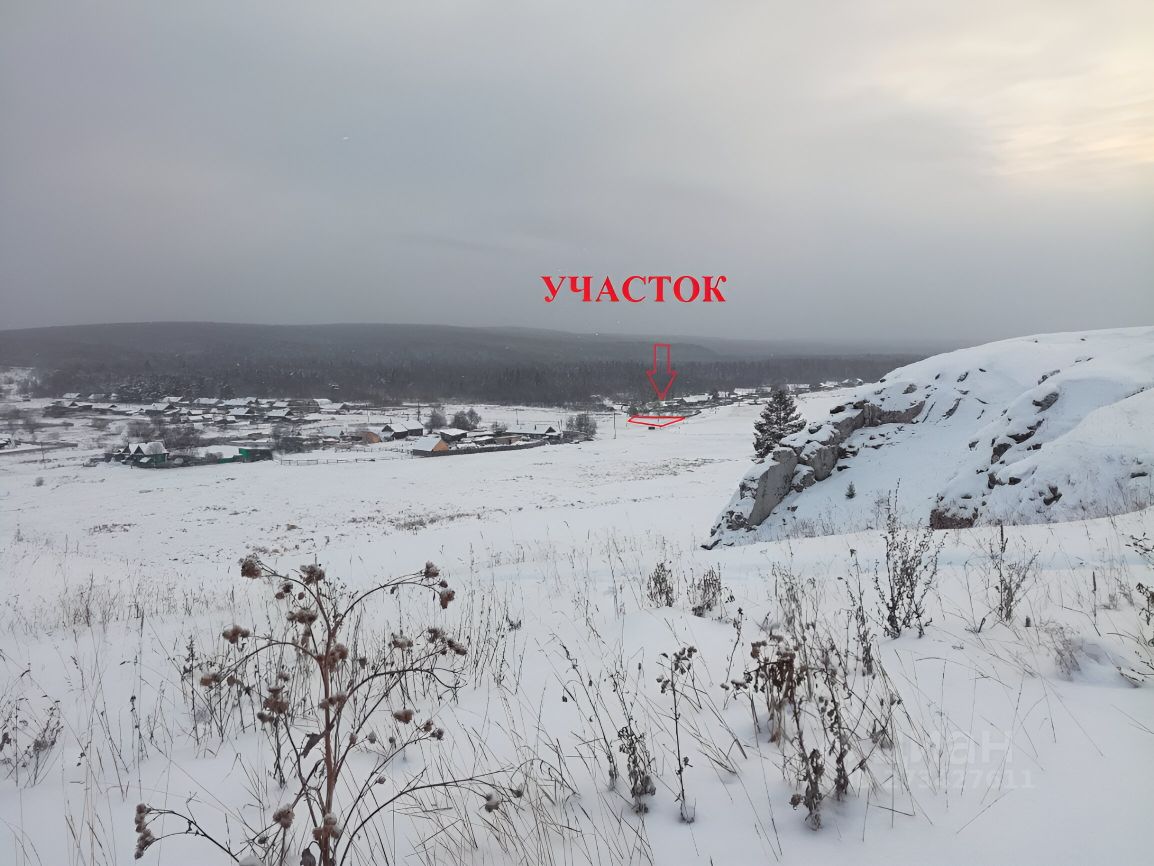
[
  {"x": 1011, "y": 576},
  {"x": 705, "y": 593},
  {"x": 911, "y": 569},
  {"x": 660, "y": 588}
]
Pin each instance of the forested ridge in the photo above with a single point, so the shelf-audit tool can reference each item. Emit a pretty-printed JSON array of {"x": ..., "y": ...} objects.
[{"x": 396, "y": 362}]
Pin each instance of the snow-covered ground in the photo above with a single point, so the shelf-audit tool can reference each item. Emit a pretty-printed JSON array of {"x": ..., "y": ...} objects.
[{"x": 119, "y": 582}]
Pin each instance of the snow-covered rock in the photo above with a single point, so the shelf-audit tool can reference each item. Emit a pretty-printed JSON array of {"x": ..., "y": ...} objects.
[{"x": 1029, "y": 430}]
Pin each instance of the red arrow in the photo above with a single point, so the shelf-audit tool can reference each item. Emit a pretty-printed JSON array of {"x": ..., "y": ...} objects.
[{"x": 670, "y": 372}]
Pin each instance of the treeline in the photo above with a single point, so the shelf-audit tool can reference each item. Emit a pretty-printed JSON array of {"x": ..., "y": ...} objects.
[{"x": 539, "y": 382}]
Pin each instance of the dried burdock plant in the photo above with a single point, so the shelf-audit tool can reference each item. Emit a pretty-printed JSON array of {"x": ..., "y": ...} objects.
[
  {"x": 673, "y": 683},
  {"x": 344, "y": 683},
  {"x": 631, "y": 743},
  {"x": 814, "y": 714}
]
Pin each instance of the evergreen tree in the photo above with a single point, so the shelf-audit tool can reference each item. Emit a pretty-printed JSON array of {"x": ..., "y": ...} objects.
[{"x": 779, "y": 419}]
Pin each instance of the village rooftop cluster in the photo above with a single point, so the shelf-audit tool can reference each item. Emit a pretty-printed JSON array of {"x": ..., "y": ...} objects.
[{"x": 180, "y": 431}]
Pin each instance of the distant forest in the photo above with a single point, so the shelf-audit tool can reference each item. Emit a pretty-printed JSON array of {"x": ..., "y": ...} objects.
[{"x": 394, "y": 363}]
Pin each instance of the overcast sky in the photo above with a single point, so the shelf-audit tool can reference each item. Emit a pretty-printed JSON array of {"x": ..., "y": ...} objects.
[{"x": 952, "y": 171}]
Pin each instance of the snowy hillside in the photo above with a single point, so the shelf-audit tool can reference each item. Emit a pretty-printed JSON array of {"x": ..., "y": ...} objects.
[
  {"x": 1031, "y": 430},
  {"x": 578, "y": 577}
]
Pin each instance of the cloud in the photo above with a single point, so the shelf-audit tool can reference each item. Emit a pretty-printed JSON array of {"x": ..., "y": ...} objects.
[{"x": 982, "y": 168}]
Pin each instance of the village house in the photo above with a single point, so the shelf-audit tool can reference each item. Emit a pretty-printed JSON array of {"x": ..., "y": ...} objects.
[
  {"x": 152, "y": 454},
  {"x": 401, "y": 430},
  {"x": 141, "y": 453},
  {"x": 122, "y": 451},
  {"x": 536, "y": 431},
  {"x": 253, "y": 451},
  {"x": 426, "y": 446},
  {"x": 452, "y": 435}
]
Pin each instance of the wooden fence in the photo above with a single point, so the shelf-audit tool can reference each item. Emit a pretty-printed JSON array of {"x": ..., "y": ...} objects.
[{"x": 316, "y": 461}]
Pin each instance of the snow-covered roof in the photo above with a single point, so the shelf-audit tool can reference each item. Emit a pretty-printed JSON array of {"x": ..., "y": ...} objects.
[
  {"x": 427, "y": 443},
  {"x": 534, "y": 430}
]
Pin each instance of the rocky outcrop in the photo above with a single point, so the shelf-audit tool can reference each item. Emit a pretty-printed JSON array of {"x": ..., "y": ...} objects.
[
  {"x": 1031, "y": 430},
  {"x": 773, "y": 483},
  {"x": 803, "y": 460}
]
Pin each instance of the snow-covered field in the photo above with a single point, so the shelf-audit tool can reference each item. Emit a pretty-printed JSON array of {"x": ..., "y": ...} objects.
[{"x": 981, "y": 742}]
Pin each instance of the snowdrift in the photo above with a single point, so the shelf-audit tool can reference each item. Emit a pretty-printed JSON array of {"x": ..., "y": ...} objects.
[{"x": 1036, "y": 429}]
